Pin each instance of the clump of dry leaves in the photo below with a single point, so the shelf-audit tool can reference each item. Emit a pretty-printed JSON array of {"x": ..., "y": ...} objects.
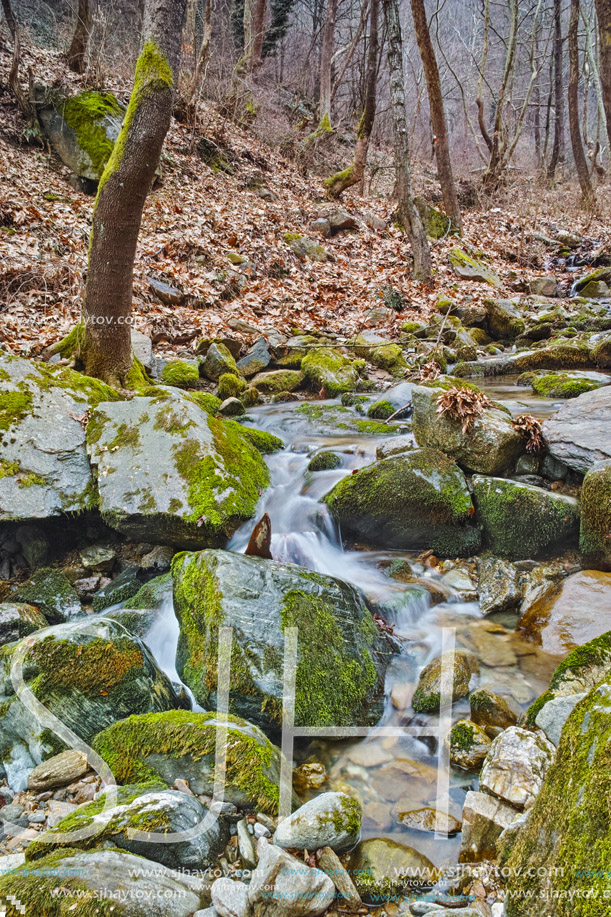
[
  {"x": 463, "y": 405},
  {"x": 530, "y": 429},
  {"x": 429, "y": 372}
]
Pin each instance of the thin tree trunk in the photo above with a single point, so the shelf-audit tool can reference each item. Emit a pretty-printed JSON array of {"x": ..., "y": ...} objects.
[
  {"x": 581, "y": 163},
  {"x": 326, "y": 56},
  {"x": 558, "y": 147},
  {"x": 254, "y": 33},
  {"x": 603, "y": 12},
  {"x": 122, "y": 193},
  {"x": 438, "y": 115},
  {"x": 407, "y": 211},
  {"x": 77, "y": 52},
  {"x": 202, "y": 57},
  {"x": 355, "y": 173}
]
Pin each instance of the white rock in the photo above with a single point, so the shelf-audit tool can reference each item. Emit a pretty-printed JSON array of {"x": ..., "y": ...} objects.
[
  {"x": 282, "y": 886},
  {"x": 484, "y": 818},
  {"x": 552, "y": 717},
  {"x": 516, "y": 765},
  {"x": 329, "y": 820},
  {"x": 229, "y": 898}
]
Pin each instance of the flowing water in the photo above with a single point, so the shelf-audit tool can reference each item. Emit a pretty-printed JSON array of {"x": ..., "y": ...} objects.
[{"x": 391, "y": 774}]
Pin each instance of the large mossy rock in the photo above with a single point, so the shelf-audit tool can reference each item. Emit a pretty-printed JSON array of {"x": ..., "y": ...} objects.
[
  {"x": 330, "y": 370},
  {"x": 567, "y": 385},
  {"x": 83, "y": 130},
  {"x": 578, "y": 434},
  {"x": 569, "y": 614},
  {"x": 504, "y": 320},
  {"x": 490, "y": 446},
  {"x": 75, "y": 883},
  {"x": 521, "y": 521},
  {"x": 595, "y": 536},
  {"x": 468, "y": 268},
  {"x": 341, "y": 656},
  {"x": 418, "y": 499},
  {"x": 52, "y": 593},
  {"x": 44, "y": 469},
  {"x": 138, "y": 812},
  {"x": 88, "y": 674},
  {"x": 170, "y": 473},
  {"x": 183, "y": 744},
  {"x": 557, "y": 863}
]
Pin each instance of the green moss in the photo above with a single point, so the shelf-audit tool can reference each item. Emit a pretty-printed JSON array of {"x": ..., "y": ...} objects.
[
  {"x": 126, "y": 745},
  {"x": 353, "y": 400},
  {"x": 14, "y": 406},
  {"x": 337, "y": 182},
  {"x": 536, "y": 707},
  {"x": 126, "y": 435},
  {"x": 560, "y": 385},
  {"x": 324, "y": 461},
  {"x": 265, "y": 443},
  {"x": 85, "y": 113},
  {"x": 83, "y": 388},
  {"x": 291, "y": 236},
  {"x": 8, "y": 469},
  {"x": 425, "y": 702},
  {"x": 137, "y": 379},
  {"x": 231, "y": 386},
  {"x": 150, "y": 595},
  {"x": 462, "y": 736},
  {"x": 30, "y": 478},
  {"x": 381, "y": 410},
  {"x": 180, "y": 373},
  {"x": 70, "y": 345},
  {"x": 206, "y": 401},
  {"x": 330, "y": 370},
  {"x": 595, "y": 534}
]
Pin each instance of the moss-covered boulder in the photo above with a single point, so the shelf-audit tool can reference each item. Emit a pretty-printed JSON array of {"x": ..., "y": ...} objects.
[
  {"x": 562, "y": 354},
  {"x": 218, "y": 360},
  {"x": 180, "y": 373},
  {"x": 336, "y": 420},
  {"x": 599, "y": 275},
  {"x": 490, "y": 710},
  {"x": 567, "y": 385},
  {"x": 383, "y": 869},
  {"x": 468, "y": 745},
  {"x": 330, "y": 370},
  {"x": 490, "y": 445},
  {"x": 602, "y": 352},
  {"x": 167, "y": 472},
  {"x": 578, "y": 433},
  {"x": 468, "y": 268},
  {"x": 325, "y": 461},
  {"x": 436, "y": 223},
  {"x": 137, "y": 813},
  {"x": 557, "y": 863},
  {"x": 75, "y": 883},
  {"x": 52, "y": 593},
  {"x": 143, "y": 609},
  {"x": 183, "y": 744},
  {"x": 278, "y": 380},
  {"x": 231, "y": 386},
  {"x": 461, "y": 666},
  {"x": 595, "y": 535},
  {"x": 570, "y": 614},
  {"x": 520, "y": 521},
  {"x": 88, "y": 675},
  {"x": 83, "y": 129},
  {"x": 44, "y": 469},
  {"x": 418, "y": 499},
  {"x": 504, "y": 321},
  {"x": 341, "y": 656}
]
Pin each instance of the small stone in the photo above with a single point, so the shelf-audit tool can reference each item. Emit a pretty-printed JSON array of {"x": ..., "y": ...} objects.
[
  {"x": 58, "y": 771},
  {"x": 260, "y": 830},
  {"x": 58, "y": 810},
  {"x": 218, "y": 360},
  {"x": 329, "y": 820},
  {"x": 142, "y": 349},
  {"x": 500, "y": 587},
  {"x": 169, "y": 295},
  {"x": 322, "y": 226},
  {"x": 468, "y": 745},
  {"x": 256, "y": 360},
  {"x": 98, "y": 559},
  {"x": 484, "y": 818},
  {"x": 245, "y": 844},
  {"x": 544, "y": 286},
  {"x": 232, "y": 407},
  {"x": 489, "y": 709},
  {"x": 330, "y": 864},
  {"x": 159, "y": 558},
  {"x": 229, "y": 898}
]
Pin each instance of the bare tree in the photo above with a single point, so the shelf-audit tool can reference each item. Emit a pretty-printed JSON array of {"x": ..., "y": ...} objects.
[
  {"x": 190, "y": 95},
  {"x": 254, "y": 33},
  {"x": 127, "y": 179},
  {"x": 24, "y": 102},
  {"x": 438, "y": 115},
  {"x": 77, "y": 52},
  {"x": 558, "y": 146},
  {"x": 355, "y": 173},
  {"x": 581, "y": 163},
  {"x": 603, "y": 13},
  {"x": 326, "y": 57},
  {"x": 407, "y": 210}
]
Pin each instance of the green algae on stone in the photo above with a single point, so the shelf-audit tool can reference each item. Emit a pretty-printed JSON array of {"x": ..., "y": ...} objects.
[
  {"x": 331, "y": 370},
  {"x": 381, "y": 410},
  {"x": 231, "y": 386},
  {"x": 180, "y": 373},
  {"x": 324, "y": 461},
  {"x": 206, "y": 401},
  {"x": 562, "y": 385},
  {"x": 595, "y": 535}
]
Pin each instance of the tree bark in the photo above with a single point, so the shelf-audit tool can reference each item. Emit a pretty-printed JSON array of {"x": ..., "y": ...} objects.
[
  {"x": 254, "y": 33},
  {"x": 26, "y": 107},
  {"x": 438, "y": 116},
  {"x": 603, "y": 12},
  {"x": 407, "y": 211},
  {"x": 202, "y": 58},
  {"x": 581, "y": 163},
  {"x": 122, "y": 193},
  {"x": 77, "y": 51},
  {"x": 558, "y": 146},
  {"x": 326, "y": 56},
  {"x": 354, "y": 174}
]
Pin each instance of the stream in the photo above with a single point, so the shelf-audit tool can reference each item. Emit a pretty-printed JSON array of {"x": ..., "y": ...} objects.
[{"x": 390, "y": 774}]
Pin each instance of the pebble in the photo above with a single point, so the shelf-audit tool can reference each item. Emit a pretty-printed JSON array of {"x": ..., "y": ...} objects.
[
  {"x": 261, "y": 831},
  {"x": 247, "y": 849}
]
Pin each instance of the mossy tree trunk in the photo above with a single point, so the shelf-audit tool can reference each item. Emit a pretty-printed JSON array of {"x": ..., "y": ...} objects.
[
  {"x": 581, "y": 163},
  {"x": 122, "y": 193},
  {"x": 355, "y": 173},
  {"x": 407, "y": 210},
  {"x": 77, "y": 52},
  {"x": 437, "y": 112}
]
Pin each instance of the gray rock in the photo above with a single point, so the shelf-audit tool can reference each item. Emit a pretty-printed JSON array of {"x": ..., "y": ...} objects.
[
  {"x": 340, "y": 220},
  {"x": 322, "y": 226},
  {"x": 484, "y": 818},
  {"x": 554, "y": 714},
  {"x": 282, "y": 886},
  {"x": 467, "y": 268},
  {"x": 98, "y": 558},
  {"x": 330, "y": 864},
  {"x": 232, "y": 407},
  {"x": 230, "y": 898},
  {"x": 259, "y": 598},
  {"x": 17, "y": 620},
  {"x": 329, "y": 820},
  {"x": 205, "y": 495},
  {"x": 82, "y": 129},
  {"x": 308, "y": 248},
  {"x": 170, "y": 296},
  {"x": 44, "y": 465},
  {"x": 218, "y": 360},
  {"x": 577, "y": 434},
  {"x": 500, "y": 586},
  {"x": 374, "y": 222},
  {"x": 58, "y": 771},
  {"x": 490, "y": 709},
  {"x": 256, "y": 360},
  {"x": 142, "y": 349},
  {"x": 505, "y": 322},
  {"x": 383, "y": 869},
  {"x": 516, "y": 765},
  {"x": 396, "y": 446},
  {"x": 544, "y": 286},
  {"x": 246, "y": 844}
]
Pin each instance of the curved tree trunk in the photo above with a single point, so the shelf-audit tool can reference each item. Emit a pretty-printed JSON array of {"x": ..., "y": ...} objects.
[
  {"x": 122, "y": 193},
  {"x": 77, "y": 51},
  {"x": 407, "y": 211},
  {"x": 581, "y": 163},
  {"x": 557, "y": 148},
  {"x": 354, "y": 174},
  {"x": 603, "y": 12},
  {"x": 438, "y": 116},
  {"x": 26, "y": 107}
]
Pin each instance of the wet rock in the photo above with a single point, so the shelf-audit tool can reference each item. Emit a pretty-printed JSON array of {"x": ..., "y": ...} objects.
[
  {"x": 51, "y": 592},
  {"x": 331, "y": 370},
  {"x": 282, "y": 886},
  {"x": 504, "y": 321},
  {"x": 516, "y": 765},
  {"x": 58, "y": 771},
  {"x": 567, "y": 385},
  {"x": 602, "y": 353},
  {"x": 396, "y": 446},
  {"x": 325, "y": 461},
  {"x": 256, "y": 360},
  {"x": 484, "y": 818},
  {"x": 421, "y": 501},
  {"x": 460, "y": 668},
  {"x": 428, "y": 819},
  {"x": 544, "y": 286},
  {"x": 459, "y": 581},
  {"x": 468, "y": 745},
  {"x": 573, "y": 613},
  {"x": 331, "y": 865},
  {"x": 500, "y": 587},
  {"x": 121, "y": 588},
  {"x": 329, "y": 820},
  {"x": 17, "y": 620},
  {"x": 259, "y": 598},
  {"x": 522, "y": 521},
  {"x": 490, "y": 446},
  {"x": 212, "y": 475},
  {"x": 218, "y": 360},
  {"x": 490, "y": 709},
  {"x": 182, "y": 744},
  {"x": 552, "y": 717},
  {"x": 577, "y": 434},
  {"x": 467, "y": 268},
  {"x": 382, "y": 869},
  {"x": 110, "y": 877},
  {"x": 98, "y": 559},
  {"x": 278, "y": 380},
  {"x": 44, "y": 470},
  {"x": 230, "y": 898},
  {"x": 595, "y": 535},
  {"x": 169, "y": 295}
]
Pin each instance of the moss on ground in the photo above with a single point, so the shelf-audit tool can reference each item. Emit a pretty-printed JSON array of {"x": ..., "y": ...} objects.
[{"x": 180, "y": 373}]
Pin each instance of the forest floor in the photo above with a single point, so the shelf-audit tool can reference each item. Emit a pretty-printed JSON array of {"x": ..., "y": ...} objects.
[{"x": 195, "y": 216}]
